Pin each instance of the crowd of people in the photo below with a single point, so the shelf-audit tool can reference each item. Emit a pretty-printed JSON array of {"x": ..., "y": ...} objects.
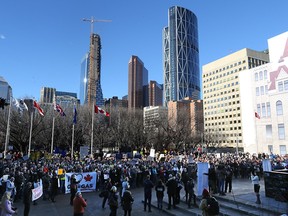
[{"x": 171, "y": 173}]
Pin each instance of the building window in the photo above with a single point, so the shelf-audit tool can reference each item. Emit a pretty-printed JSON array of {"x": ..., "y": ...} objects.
[
  {"x": 263, "y": 110},
  {"x": 268, "y": 109},
  {"x": 259, "y": 109},
  {"x": 282, "y": 149},
  {"x": 268, "y": 131},
  {"x": 286, "y": 85},
  {"x": 281, "y": 132},
  {"x": 279, "y": 108},
  {"x": 262, "y": 90},
  {"x": 266, "y": 89},
  {"x": 265, "y": 74},
  {"x": 261, "y": 75},
  {"x": 280, "y": 86},
  {"x": 256, "y": 77},
  {"x": 257, "y": 91}
]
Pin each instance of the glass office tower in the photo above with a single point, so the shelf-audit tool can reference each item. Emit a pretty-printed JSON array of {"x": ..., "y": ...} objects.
[{"x": 181, "y": 56}]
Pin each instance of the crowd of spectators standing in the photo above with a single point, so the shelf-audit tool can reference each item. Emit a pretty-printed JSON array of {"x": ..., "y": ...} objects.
[{"x": 176, "y": 169}]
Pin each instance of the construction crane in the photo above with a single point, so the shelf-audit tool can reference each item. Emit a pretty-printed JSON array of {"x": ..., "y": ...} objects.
[{"x": 92, "y": 20}]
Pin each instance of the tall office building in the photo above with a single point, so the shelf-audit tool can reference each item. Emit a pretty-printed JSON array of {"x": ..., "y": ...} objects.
[
  {"x": 155, "y": 94},
  {"x": 90, "y": 81},
  {"x": 47, "y": 95},
  {"x": 221, "y": 96},
  {"x": 181, "y": 56},
  {"x": 137, "y": 84},
  {"x": 83, "y": 79}
]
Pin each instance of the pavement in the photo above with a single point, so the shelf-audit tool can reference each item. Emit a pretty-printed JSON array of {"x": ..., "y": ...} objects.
[{"x": 242, "y": 192}]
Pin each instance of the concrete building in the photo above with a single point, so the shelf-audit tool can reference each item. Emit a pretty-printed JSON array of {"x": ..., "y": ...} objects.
[
  {"x": 221, "y": 95},
  {"x": 114, "y": 103},
  {"x": 66, "y": 99},
  {"x": 137, "y": 84},
  {"x": 264, "y": 91},
  {"x": 5, "y": 89},
  {"x": 155, "y": 94},
  {"x": 187, "y": 113},
  {"x": 47, "y": 95},
  {"x": 152, "y": 115},
  {"x": 181, "y": 56}
]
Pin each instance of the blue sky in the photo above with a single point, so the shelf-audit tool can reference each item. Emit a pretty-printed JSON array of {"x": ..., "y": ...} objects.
[{"x": 42, "y": 42}]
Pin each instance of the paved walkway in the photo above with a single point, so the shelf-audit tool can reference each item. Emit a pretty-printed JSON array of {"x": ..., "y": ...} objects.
[{"x": 242, "y": 192}]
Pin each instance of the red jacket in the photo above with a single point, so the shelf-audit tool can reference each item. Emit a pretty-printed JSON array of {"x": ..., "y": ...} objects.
[{"x": 79, "y": 204}]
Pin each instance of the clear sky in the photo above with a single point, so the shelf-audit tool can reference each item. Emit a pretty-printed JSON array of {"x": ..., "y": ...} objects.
[{"x": 42, "y": 42}]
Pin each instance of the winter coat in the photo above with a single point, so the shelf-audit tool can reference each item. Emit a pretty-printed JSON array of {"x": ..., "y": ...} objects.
[{"x": 7, "y": 208}]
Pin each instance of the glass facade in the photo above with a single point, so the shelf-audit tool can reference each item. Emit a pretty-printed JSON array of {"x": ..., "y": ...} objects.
[
  {"x": 181, "y": 56},
  {"x": 83, "y": 79}
]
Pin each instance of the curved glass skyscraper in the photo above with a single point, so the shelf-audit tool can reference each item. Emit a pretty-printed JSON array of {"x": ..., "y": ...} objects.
[{"x": 181, "y": 56}]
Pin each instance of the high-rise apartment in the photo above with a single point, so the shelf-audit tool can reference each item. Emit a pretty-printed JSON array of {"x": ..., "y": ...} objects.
[
  {"x": 5, "y": 89},
  {"x": 155, "y": 94},
  {"x": 90, "y": 73},
  {"x": 181, "y": 56},
  {"x": 137, "y": 83},
  {"x": 221, "y": 96}
]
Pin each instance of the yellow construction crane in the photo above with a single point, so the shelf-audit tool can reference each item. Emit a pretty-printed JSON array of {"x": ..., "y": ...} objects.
[{"x": 92, "y": 20}]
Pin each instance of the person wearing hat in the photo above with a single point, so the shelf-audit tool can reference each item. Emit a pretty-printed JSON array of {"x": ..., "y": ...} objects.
[
  {"x": 79, "y": 204},
  {"x": 27, "y": 198},
  {"x": 113, "y": 201},
  {"x": 73, "y": 187},
  {"x": 171, "y": 191},
  {"x": 148, "y": 185},
  {"x": 203, "y": 204}
]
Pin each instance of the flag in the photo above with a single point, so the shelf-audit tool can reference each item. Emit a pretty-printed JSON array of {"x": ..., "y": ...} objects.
[
  {"x": 99, "y": 110},
  {"x": 23, "y": 105},
  {"x": 257, "y": 115},
  {"x": 37, "y": 106},
  {"x": 75, "y": 115},
  {"x": 59, "y": 109}
]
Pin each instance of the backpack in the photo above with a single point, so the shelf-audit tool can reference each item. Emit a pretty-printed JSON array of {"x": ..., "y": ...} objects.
[{"x": 212, "y": 206}]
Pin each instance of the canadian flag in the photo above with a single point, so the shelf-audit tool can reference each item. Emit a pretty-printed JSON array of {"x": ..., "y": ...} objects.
[
  {"x": 257, "y": 115},
  {"x": 99, "y": 110},
  {"x": 37, "y": 106}
]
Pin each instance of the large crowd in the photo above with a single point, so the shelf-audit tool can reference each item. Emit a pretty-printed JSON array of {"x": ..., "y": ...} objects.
[{"x": 17, "y": 172}]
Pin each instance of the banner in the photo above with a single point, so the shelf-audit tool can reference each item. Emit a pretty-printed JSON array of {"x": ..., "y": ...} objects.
[
  {"x": 266, "y": 164},
  {"x": 87, "y": 181},
  {"x": 202, "y": 178},
  {"x": 38, "y": 191}
]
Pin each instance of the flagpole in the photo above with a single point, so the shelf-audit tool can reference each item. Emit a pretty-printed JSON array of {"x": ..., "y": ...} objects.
[
  {"x": 72, "y": 149},
  {"x": 8, "y": 129},
  {"x": 52, "y": 138},
  {"x": 92, "y": 132},
  {"x": 30, "y": 135}
]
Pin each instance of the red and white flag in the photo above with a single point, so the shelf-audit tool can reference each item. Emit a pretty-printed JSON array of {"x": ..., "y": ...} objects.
[
  {"x": 99, "y": 110},
  {"x": 37, "y": 106},
  {"x": 59, "y": 109},
  {"x": 257, "y": 115}
]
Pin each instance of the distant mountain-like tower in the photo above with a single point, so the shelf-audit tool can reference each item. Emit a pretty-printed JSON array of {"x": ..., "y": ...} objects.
[{"x": 181, "y": 56}]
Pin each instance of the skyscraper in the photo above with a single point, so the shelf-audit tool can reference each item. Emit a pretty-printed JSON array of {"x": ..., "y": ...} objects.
[
  {"x": 47, "y": 95},
  {"x": 83, "y": 79},
  {"x": 181, "y": 56},
  {"x": 137, "y": 84},
  {"x": 90, "y": 82},
  {"x": 155, "y": 94}
]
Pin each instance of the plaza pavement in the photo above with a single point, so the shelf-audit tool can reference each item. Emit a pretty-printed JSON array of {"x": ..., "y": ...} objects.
[{"x": 242, "y": 192}]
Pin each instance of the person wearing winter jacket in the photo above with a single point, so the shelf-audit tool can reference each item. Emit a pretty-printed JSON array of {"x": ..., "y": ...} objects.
[{"x": 6, "y": 205}]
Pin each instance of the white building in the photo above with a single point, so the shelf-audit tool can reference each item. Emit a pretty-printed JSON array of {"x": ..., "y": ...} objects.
[
  {"x": 5, "y": 89},
  {"x": 264, "y": 90}
]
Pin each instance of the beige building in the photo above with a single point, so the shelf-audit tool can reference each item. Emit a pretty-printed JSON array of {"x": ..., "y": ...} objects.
[
  {"x": 186, "y": 112},
  {"x": 221, "y": 96},
  {"x": 264, "y": 90}
]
